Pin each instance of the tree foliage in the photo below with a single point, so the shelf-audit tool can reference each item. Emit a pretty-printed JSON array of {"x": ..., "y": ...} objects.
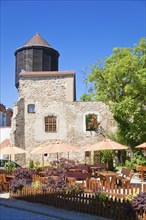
[{"x": 121, "y": 83}]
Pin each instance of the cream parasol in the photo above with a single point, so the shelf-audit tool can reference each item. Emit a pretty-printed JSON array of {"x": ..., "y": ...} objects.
[
  {"x": 11, "y": 150},
  {"x": 57, "y": 147},
  {"x": 142, "y": 146},
  {"x": 105, "y": 144}
]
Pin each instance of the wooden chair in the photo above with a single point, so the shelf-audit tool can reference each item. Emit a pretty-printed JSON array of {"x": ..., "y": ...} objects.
[
  {"x": 1, "y": 189},
  {"x": 144, "y": 172},
  {"x": 4, "y": 182},
  {"x": 70, "y": 180},
  {"x": 125, "y": 177},
  {"x": 139, "y": 170}
]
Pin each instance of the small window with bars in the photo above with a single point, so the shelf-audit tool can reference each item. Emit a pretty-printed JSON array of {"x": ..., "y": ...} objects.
[{"x": 50, "y": 124}]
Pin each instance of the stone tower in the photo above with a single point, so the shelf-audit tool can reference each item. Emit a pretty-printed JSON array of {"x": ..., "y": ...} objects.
[{"x": 36, "y": 55}]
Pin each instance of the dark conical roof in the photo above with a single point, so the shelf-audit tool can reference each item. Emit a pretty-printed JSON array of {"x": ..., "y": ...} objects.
[{"x": 37, "y": 40}]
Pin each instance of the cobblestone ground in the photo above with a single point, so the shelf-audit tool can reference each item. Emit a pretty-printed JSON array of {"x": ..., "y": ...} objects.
[{"x": 15, "y": 214}]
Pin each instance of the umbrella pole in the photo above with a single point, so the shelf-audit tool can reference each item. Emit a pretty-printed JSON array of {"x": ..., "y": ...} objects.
[
  {"x": 68, "y": 155},
  {"x": 57, "y": 160},
  {"x": 85, "y": 157},
  {"x": 107, "y": 161},
  {"x": 42, "y": 160}
]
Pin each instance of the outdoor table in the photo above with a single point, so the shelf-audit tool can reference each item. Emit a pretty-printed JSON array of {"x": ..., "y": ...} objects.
[
  {"x": 107, "y": 177},
  {"x": 9, "y": 177},
  {"x": 75, "y": 170},
  {"x": 95, "y": 169}
]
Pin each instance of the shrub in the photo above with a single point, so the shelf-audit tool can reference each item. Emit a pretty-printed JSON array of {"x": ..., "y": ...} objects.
[
  {"x": 63, "y": 162},
  {"x": 23, "y": 177},
  {"x": 139, "y": 203},
  {"x": 130, "y": 197},
  {"x": 56, "y": 178},
  {"x": 37, "y": 185},
  {"x": 101, "y": 196},
  {"x": 74, "y": 188},
  {"x": 31, "y": 164},
  {"x": 138, "y": 159},
  {"x": 107, "y": 156},
  {"x": 9, "y": 167},
  {"x": 37, "y": 165}
]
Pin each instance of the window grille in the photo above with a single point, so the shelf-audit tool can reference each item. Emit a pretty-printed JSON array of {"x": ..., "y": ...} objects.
[{"x": 50, "y": 124}]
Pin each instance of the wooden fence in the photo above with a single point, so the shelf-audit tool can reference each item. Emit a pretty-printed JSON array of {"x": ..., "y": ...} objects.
[
  {"x": 93, "y": 185},
  {"x": 115, "y": 209}
]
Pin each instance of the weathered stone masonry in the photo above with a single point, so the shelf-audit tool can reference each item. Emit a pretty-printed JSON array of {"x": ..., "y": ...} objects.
[{"x": 50, "y": 97}]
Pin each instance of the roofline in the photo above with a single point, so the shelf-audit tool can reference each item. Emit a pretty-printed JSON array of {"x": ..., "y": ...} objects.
[
  {"x": 46, "y": 73},
  {"x": 34, "y": 47}
]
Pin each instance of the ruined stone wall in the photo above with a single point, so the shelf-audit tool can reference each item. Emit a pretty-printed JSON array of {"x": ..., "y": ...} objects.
[
  {"x": 49, "y": 97},
  {"x": 17, "y": 136}
]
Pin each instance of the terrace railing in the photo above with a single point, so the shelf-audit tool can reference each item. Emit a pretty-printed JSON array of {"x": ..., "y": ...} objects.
[
  {"x": 116, "y": 209},
  {"x": 94, "y": 185}
]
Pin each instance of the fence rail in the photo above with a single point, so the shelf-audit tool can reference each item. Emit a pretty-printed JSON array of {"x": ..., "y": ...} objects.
[
  {"x": 113, "y": 208},
  {"x": 94, "y": 185}
]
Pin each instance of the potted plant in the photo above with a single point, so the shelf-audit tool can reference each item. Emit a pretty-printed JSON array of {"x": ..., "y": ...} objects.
[{"x": 9, "y": 167}]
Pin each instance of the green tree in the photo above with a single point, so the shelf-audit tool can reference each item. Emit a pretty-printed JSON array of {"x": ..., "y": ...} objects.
[{"x": 121, "y": 83}]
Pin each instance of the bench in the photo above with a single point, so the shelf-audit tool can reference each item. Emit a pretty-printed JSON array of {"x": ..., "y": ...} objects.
[{"x": 124, "y": 177}]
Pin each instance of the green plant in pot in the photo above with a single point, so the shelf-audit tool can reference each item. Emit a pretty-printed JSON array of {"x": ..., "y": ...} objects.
[{"x": 9, "y": 167}]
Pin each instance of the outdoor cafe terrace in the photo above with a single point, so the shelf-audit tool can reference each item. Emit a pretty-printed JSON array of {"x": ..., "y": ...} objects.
[
  {"x": 88, "y": 188},
  {"x": 82, "y": 184}
]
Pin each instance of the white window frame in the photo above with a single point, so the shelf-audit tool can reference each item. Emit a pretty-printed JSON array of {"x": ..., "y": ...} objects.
[{"x": 84, "y": 120}]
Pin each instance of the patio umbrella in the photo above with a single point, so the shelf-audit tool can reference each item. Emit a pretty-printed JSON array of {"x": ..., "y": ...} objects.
[
  {"x": 142, "y": 146},
  {"x": 58, "y": 147},
  {"x": 35, "y": 151},
  {"x": 105, "y": 144},
  {"x": 12, "y": 150}
]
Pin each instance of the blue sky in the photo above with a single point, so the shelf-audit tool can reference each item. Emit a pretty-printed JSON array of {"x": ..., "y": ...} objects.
[{"x": 82, "y": 32}]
